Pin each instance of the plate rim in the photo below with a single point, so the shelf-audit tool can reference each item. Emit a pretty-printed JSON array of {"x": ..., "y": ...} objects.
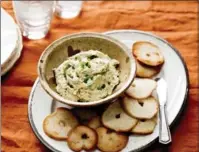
[{"x": 30, "y": 118}]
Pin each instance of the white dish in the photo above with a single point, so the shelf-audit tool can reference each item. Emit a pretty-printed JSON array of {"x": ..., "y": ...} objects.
[
  {"x": 11, "y": 42},
  {"x": 9, "y": 36},
  {"x": 174, "y": 72},
  {"x": 9, "y": 63}
]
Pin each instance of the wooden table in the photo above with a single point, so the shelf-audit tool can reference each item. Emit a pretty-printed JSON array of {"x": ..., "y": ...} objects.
[{"x": 174, "y": 21}]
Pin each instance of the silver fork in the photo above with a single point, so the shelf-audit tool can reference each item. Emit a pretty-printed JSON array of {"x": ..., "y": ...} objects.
[{"x": 164, "y": 131}]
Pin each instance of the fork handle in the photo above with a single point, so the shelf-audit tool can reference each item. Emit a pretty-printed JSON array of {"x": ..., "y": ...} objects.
[{"x": 164, "y": 132}]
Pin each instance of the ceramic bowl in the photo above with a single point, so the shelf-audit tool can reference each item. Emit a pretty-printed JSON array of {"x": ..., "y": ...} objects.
[{"x": 61, "y": 49}]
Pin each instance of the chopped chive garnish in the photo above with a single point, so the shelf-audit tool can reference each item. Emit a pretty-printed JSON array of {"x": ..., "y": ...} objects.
[
  {"x": 71, "y": 86},
  {"x": 87, "y": 64},
  {"x": 82, "y": 65},
  {"x": 86, "y": 80},
  {"x": 92, "y": 57},
  {"x": 68, "y": 66}
]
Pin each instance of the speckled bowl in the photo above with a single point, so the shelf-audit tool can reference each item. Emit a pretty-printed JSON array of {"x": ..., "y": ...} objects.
[{"x": 61, "y": 49}]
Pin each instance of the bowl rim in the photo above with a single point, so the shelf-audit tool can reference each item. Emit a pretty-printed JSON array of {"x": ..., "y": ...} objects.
[{"x": 59, "y": 98}]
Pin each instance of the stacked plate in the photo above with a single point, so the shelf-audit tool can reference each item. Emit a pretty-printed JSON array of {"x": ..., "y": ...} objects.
[{"x": 11, "y": 42}]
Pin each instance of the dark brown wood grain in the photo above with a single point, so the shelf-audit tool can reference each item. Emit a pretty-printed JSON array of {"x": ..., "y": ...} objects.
[{"x": 172, "y": 20}]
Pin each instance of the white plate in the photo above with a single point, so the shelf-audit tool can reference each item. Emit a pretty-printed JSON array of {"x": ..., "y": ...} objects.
[
  {"x": 174, "y": 72},
  {"x": 9, "y": 36},
  {"x": 11, "y": 42},
  {"x": 9, "y": 63}
]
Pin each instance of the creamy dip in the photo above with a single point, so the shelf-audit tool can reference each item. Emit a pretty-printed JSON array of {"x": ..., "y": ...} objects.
[{"x": 87, "y": 76}]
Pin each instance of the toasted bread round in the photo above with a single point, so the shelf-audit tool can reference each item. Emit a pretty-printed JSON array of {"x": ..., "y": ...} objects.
[
  {"x": 141, "y": 88},
  {"x": 111, "y": 141},
  {"x": 115, "y": 118},
  {"x": 145, "y": 71},
  {"x": 84, "y": 114},
  {"x": 147, "y": 53},
  {"x": 141, "y": 109},
  {"x": 58, "y": 124},
  {"x": 145, "y": 126},
  {"x": 95, "y": 122},
  {"x": 82, "y": 138}
]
